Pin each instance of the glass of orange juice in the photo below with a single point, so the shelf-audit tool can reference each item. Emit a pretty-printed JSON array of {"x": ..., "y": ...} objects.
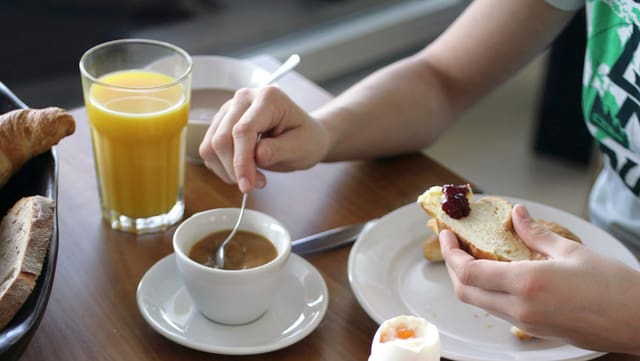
[{"x": 136, "y": 93}]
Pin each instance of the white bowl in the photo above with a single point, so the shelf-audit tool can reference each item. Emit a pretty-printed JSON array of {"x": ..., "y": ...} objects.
[{"x": 214, "y": 80}]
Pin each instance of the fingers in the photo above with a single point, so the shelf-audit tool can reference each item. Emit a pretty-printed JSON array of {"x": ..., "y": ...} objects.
[
  {"x": 478, "y": 282},
  {"x": 468, "y": 271},
  {"x": 229, "y": 146},
  {"x": 536, "y": 236},
  {"x": 291, "y": 138},
  {"x": 222, "y": 141},
  {"x": 297, "y": 148},
  {"x": 206, "y": 149},
  {"x": 259, "y": 117},
  {"x": 217, "y": 147}
]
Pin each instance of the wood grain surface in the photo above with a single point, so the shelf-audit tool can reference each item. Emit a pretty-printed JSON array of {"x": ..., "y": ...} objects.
[{"x": 93, "y": 314}]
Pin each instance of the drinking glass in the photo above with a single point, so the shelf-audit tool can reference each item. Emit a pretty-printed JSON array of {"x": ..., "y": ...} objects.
[{"x": 137, "y": 94}]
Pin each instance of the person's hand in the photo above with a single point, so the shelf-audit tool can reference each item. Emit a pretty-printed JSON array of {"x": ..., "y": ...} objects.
[
  {"x": 575, "y": 295},
  {"x": 290, "y": 138}
]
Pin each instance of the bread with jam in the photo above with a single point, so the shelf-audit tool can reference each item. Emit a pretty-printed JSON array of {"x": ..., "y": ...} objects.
[{"x": 486, "y": 231}]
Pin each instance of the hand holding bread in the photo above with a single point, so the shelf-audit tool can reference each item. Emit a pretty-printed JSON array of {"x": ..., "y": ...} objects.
[
  {"x": 567, "y": 292},
  {"x": 486, "y": 233},
  {"x": 485, "y": 230}
]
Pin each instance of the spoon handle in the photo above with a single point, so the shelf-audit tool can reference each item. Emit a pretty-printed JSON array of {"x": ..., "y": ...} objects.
[
  {"x": 287, "y": 66},
  {"x": 242, "y": 208}
]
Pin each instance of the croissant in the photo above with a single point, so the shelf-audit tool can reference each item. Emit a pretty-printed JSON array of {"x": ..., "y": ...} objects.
[{"x": 26, "y": 133}]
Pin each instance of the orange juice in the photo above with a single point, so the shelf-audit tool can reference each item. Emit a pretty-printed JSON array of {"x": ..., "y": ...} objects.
[{"x": 138, "y": 141}]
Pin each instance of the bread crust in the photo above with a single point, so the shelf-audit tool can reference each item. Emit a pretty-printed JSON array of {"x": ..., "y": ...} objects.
[
  {"x": 26, "y": 133},
  {"x": 431, "y": 249},
  {"x": 559, "y": 229}
]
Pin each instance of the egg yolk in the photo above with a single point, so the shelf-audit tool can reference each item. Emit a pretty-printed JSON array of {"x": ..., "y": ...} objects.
[{"x": 403, "y": 333}]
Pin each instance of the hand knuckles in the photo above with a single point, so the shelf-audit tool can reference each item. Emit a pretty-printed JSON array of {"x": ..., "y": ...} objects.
[
  {"x": 241, "y": 130},
  {"x": 526, "y": 315},
  {"x": 465, "y": 273},
  {"x": 529, "y": 286},
  {"x": 220, "y": 141},
  {"x": 461, "y": 293},
  {"x": 243, "y": 94},
  {"x": 270, "y": 92},
  {"x": 205, "y": 150}
]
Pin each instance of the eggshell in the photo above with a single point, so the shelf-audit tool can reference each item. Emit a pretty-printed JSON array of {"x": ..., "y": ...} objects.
[{"x": 425, "y": 346}]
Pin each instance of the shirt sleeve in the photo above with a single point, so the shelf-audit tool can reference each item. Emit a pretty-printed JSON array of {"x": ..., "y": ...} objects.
[{"x": 566, "y": 5}]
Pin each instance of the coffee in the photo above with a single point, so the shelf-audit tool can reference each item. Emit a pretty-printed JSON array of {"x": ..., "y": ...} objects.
[
  {"x": 205, "y": 103},
  {"x": 245, "y": 250}
]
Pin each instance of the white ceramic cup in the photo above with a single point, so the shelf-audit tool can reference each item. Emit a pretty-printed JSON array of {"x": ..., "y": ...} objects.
[
  {"x": 232, "y": 297},
  {"x": 212, "y": 72}
]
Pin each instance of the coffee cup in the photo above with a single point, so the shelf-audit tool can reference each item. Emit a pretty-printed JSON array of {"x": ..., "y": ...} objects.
[{"x": 231, "y": 297}]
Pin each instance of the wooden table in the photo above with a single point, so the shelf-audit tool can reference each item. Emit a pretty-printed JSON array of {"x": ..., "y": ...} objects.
[{"x": 93, "y": 314}]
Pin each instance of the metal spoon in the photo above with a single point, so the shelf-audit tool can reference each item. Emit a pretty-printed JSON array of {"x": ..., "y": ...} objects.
[{"x": 283, "y": 69}]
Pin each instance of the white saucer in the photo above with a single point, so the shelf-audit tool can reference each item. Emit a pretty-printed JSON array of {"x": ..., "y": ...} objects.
[{"x": 298, "y": 308}]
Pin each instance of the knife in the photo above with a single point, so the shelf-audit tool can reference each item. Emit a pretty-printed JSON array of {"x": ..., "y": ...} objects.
[{"x": 332, "y": 238}]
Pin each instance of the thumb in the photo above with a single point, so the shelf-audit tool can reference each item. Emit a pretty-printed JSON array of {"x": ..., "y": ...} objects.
[
  {"x": 288, "y": 151},
  {"x": 273, "y": 153},
  {"x": 534, "y": 235}
]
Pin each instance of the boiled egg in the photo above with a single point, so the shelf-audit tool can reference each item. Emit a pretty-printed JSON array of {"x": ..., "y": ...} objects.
[{"x": 406, "y": 338}]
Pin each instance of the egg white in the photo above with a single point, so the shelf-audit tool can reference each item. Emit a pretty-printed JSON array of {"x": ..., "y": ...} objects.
[{"x": 425, "y": 346}]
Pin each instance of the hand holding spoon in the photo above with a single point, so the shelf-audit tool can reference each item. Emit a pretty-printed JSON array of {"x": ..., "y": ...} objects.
[{"x": 287, "y": 66}]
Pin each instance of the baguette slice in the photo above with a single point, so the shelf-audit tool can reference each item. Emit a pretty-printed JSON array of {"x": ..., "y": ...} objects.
[
  {"x": 25, "y": 234},
  {"x": 487, "y": 232}
]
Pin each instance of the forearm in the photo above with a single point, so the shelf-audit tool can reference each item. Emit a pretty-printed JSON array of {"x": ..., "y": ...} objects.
[
  {"x": 620, "y": 313},
  {"x": 397, "y": 109},
  {"x": 405, "y": 106}
]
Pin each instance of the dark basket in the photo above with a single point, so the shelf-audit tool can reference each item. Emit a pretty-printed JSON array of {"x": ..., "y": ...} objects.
[{"x": 37, "y": 177}]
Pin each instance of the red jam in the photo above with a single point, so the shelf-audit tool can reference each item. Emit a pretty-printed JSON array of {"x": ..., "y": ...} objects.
[{"x": 455, "y": 203}]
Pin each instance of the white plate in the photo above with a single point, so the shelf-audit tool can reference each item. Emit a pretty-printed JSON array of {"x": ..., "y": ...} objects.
[
  {"x": 390, "y": 277},
  {"x": 298, "y": 309}
]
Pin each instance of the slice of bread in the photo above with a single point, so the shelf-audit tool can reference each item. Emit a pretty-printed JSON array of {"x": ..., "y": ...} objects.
[
  {"x": 431, "y": 247},
  {"x": 487, "y": 232},
  {"x": 25, "y": 234}
]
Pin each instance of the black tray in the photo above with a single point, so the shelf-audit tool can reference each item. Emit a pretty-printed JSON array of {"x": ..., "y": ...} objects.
[{"x": 37, "y": 177}]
